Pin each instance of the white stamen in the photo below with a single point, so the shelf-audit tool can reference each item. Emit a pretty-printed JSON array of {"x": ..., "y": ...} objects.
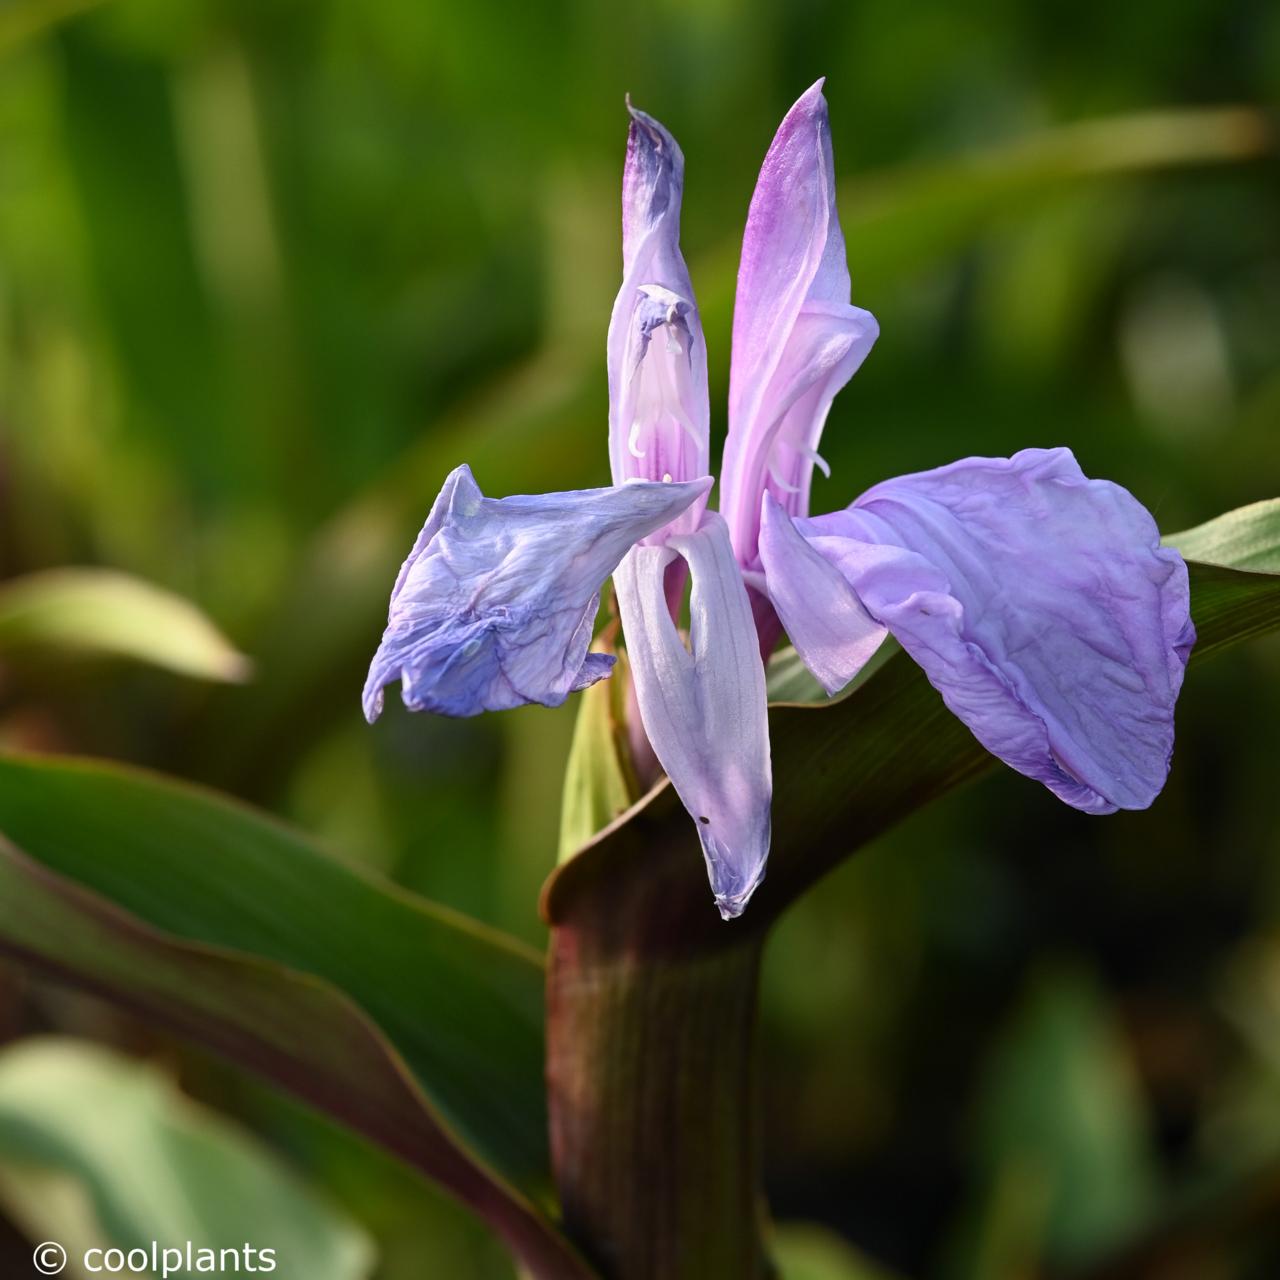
[
  {"x": 780, "y": 482},
  {"x": 666, "y": 477},
  {"x": 816, "y": 458},
  {"x": 632, "y": 447}
]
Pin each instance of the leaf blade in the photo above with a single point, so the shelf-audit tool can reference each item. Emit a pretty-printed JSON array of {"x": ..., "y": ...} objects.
[
  {"x": 408, "y": 1024},
  {"x": 1246, "y": 538}
]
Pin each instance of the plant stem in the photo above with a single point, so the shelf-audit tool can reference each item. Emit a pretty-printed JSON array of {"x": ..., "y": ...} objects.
[{"x": 652, "y": 1078}]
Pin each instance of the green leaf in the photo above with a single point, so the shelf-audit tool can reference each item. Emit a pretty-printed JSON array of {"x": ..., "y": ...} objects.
[
  {"x": 98, "y": 1150},
  {"x": 844, "y": 772},
  {"x": 806, "y": 1252},
  {"x": 1247, "y": 538},
  {"x": 101, "y": 613},
  {"x": 599, "y": 783},
  {"x": 408, "y": 1023}
]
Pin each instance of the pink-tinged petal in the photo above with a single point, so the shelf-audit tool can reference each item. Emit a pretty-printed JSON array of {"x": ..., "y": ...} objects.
[
  {"x": 657, "y": 359},
  {"x": 832, "y": 631},
  {"x": 796, "y": 338},
  {"x": 703, "y": 707},
  {"x": 1040, "y": 604},
  {"x": 494, "y": 606}
]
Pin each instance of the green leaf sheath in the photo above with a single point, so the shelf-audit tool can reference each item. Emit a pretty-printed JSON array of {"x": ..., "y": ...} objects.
[{"x": 411, "y": 1025}]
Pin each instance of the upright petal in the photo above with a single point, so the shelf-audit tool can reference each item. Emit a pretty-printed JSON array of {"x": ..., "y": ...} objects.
[
  {"x": 658, "y": 408},
  {"x": 796, "y": 339},
  {"x": 1039, "y": 603},
  {"x": 495, "y": 604},
  {"x": 704, "y": 707}
]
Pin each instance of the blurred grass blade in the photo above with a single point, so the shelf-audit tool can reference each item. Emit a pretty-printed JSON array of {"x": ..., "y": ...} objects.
[
  {"x": 803, "y": 1251},
  {"x": 23, "y": 20},
  {"x": 899, "y": 222},
  {"x": 1247, "y": 538},
  {"x": 102, "y": 613},
  {"x": 411, "y": 1025},
  {"x": 845, "y": 772},
  {"x": 98, "y": 1150}
]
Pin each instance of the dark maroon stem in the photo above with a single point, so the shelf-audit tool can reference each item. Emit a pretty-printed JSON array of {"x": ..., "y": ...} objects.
[{"x": 652, "y": 1078}]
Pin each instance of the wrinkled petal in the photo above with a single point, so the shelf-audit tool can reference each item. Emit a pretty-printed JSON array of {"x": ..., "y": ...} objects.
[
  {"x": 832, "y": 631},
  {"x": 1040, "y": 604},
  {"x": 704, "y": 710},
  {"x": 494, "y": 606},
  {"x": 796, "y": 339},
  {"x": 658, "y": 407}
]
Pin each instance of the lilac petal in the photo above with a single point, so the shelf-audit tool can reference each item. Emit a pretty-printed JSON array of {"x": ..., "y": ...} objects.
[
  {"x": 658, "y": 407},
  {"x": 494, "y": 606},
  {"x": 833, "y": 633},
  {"x": 704, "y": 711},
  {"x": 1041, "y": 606},
  {"x": 796, "y": 339}
]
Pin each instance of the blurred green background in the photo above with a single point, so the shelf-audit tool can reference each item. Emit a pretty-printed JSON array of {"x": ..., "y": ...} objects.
[{"x": 270, "y": 268}]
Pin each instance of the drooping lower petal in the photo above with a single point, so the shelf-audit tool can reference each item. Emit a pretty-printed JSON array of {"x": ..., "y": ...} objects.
[
  {"x": 796, "y": 338},
  {"x": 658, "y": 407},
  {"x": 704, "y": 706},
  {"x": 494, "y": 606},
  {"x": 1039, "y": 603}
]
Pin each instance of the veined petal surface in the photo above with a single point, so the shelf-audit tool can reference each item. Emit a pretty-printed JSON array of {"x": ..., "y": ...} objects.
[
  {"x": 495, "y": 605},
  {"x": 1041, "y": 606},
  {"x": 796, "y": 338},
  {"x": 657, "y": 359},
  {"x": 704, "y": 706}
]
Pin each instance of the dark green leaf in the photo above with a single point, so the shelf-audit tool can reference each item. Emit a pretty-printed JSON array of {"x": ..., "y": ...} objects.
[{"x": 412, "y": 1025}]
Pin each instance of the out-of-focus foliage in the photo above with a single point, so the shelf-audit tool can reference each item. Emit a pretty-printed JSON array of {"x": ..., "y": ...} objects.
[
  {"x": 97, "y": 1150},
  {"x": 223, "y": 921},
  {"x": 804, "y": 1252},
  {"x": 268, "y": 269},
  {"x": 97, "y": 613}
]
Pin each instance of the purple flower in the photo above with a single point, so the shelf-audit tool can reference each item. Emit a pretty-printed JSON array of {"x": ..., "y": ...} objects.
[{"x": 1038, "y": 602}]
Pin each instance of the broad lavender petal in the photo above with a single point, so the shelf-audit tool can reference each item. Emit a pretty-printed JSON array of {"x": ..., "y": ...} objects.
[
  {"x": 658, "y": 407},
  {"x": 495, "y": 605},
  {"x": 796, "y": 338},
  {"x": 830, "y": 627},
  {"x": 704, "y": 707},
  {"x": 1040, "y": 604}
]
